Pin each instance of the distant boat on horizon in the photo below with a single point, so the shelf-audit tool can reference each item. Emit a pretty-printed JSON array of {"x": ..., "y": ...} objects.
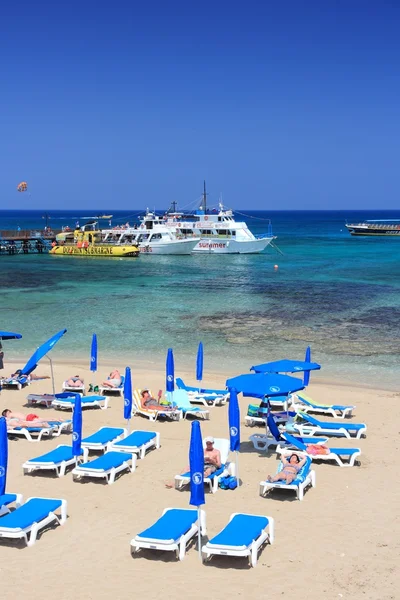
[{"x": 99, "y": 217}]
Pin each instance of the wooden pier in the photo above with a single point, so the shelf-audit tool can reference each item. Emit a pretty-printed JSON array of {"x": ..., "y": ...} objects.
[{"x": 13, "y": 242}]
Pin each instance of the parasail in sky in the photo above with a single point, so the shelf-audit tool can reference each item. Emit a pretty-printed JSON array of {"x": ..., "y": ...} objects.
[{"x": 22, "y": 187}]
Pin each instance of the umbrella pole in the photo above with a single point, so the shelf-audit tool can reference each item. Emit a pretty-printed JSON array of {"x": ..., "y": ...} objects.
[
  {"x": 52, "y": 373},
  {"x": 199, "y": 529},
  {"x": 237, "y": 468},
  {"x": 128, "y": 423}
]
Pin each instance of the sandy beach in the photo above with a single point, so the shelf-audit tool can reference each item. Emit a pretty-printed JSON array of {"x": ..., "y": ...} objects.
[{"x": 342, "y": 541}]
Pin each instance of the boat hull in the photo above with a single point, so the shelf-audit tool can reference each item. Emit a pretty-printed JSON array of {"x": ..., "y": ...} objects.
[
  {"x": 218, "y": 246},
  {"x": 174, "y": 247},
  {"x": 101, "y": 250}
]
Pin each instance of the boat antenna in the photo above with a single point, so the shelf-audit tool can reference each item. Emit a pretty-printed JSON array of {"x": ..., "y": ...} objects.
[{"x": 204, "y": 198}]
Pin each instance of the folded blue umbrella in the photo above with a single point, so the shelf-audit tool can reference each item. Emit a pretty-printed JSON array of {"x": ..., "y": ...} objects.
[
  {"x": 127, "y": 394},
  {"x": 93, "y": 354},
  {"x": 199, "y": 362},
  {"x": 77, "y": 426},
  {"x": 170, "y": 386}
]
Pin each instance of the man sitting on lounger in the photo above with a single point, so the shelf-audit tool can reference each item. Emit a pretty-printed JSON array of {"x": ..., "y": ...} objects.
[
  {"x": 152, "y": 403},
  {"x": 212, "y": 460},
  {"x": 114, "y": 380},
  {"x": 75, "y": 381}
]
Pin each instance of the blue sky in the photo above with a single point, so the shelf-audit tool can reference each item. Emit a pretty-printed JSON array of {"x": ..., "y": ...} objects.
[{"x": 278, "y": 105}]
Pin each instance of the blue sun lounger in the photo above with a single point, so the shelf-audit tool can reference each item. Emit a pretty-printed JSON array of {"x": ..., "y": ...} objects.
[
  {"x": 32, "y": 516},
  {"x": 344, "y": 457},
  {"x": 208, "y": 397},
  {"x": 32, "y": 434},
  {"x": 68, "y": 402},
  {"x": 106, "y": 466},
  {"x": 6, "y": 500},
  {"x": 173, "y": 530},
  {"x": 313, "y": 426},
  {"x": 306, "y": 404},
  {"x": 56, "y": 460},
  {"x": 212, "y": 480},
  {"x": 305, "y": 478},
  {"x": 242, "y": 536},
  {"x": 181, "y": 401},
  {"x": 273, "y": 437},
  {"x": 103, "y": 437},
  {"x": 137, "y": 442}
]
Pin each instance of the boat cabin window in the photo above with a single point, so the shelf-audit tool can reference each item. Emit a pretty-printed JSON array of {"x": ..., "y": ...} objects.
[
  {"x": 156, "y": 236},
  {"x": 232, "y": 232},
  {"x": 186, "y": 231},
  {"x": 143, "y": 237}
]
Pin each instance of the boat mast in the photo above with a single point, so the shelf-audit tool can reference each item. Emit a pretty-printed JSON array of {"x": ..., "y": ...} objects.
[{"x": 204, "y": 198}]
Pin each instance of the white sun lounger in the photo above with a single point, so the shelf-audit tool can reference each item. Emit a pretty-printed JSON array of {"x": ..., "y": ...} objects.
[
  {"x": 56, "y": 460},
  {"x": 244, "y": 535},
  {"x": 171, "y": 532},
  {"x": 137, "y": 442},
  {"x": 103, "y": 437},
  {"x": 31, "y": 517},
  {"x": 41, "y": 399},
  {"x": 313, "y": 426},
  {"x": 6, "y": 500},
  {"x": 212, "y": 480},
  {"x": 273, "y": 437},
  {"x": 80, "y": 389},
  {"x": 16, "y": 383},
  {"x": 119, "y": 391},
  {"x": 306, "y": 404},
  {"x": 208, "y": 397},
  {"x": 36, "y": 433},
  {"x": 344, "y": 457},
  {"x": 305, "y": 478},
  {"x": 106, "y": 466},
  {"x": 86, "y": 402},
  {"x": 152, "y": 415},
  {"x": 181, "y": 401}
]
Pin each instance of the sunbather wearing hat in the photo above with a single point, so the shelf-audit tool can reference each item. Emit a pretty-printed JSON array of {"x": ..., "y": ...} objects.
[{"x": 152, "y": 403}]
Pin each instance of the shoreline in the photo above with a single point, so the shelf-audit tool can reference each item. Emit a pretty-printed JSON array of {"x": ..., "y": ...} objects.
[{"x": 213, "y": 377}]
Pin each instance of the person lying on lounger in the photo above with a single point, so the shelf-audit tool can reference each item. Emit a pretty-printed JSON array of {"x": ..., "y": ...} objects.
[
  {"x": 15, "y": 419},
  {"x": 30, "y": 377},
  {"x": 152, "y": 403},
  {"x": 114, "y": 380},
  {"x": 291, "y": 466},
  {"x": 75, "y": 381}
]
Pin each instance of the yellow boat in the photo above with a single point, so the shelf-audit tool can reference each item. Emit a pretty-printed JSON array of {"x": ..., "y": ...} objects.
[{"x": 80, "y": 243}]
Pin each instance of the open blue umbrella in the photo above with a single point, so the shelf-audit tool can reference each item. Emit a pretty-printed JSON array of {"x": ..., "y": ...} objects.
[
  {"x": 128, "y": 395},
  {"x": 3, "y": 455},
  {"x": 196, "y": 461},
  {"x": 170, "y": 373},
  {"x": 234, "y": 427},
  {"x": 9, "y": 335},
  {"x": 40, "y": 353},
  {"x": 77, "y": 426},
  {"x": 268, "y": 384},
  {"x": 93, "y": 355},
  {"x": 199, "y": 362}
]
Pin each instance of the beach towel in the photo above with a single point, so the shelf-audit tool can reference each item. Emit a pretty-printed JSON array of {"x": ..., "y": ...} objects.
[{"x": 315, "y": 449}]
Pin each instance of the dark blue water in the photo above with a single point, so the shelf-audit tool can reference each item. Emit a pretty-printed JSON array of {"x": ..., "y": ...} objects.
[{"x": 339, "y": 294}]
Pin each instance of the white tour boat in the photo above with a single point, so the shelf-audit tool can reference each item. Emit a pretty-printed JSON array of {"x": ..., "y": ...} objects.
[
  {"x": 152, "y": 236},
  {"x": 219, "y": 232}
]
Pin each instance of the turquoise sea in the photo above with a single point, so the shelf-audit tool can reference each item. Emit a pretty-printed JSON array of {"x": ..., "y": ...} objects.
[{"x": 339, "y": 294}]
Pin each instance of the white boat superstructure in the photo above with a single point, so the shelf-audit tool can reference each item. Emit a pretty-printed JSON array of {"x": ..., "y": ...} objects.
[
  {"x": 152, "y": 236},
  {"x": 218, "y": 230}
]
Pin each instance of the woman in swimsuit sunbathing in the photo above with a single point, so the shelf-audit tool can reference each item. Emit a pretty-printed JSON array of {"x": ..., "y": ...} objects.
[
  {"x": 75, "y": 381},
  {"x": 291, "y": 466}
]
